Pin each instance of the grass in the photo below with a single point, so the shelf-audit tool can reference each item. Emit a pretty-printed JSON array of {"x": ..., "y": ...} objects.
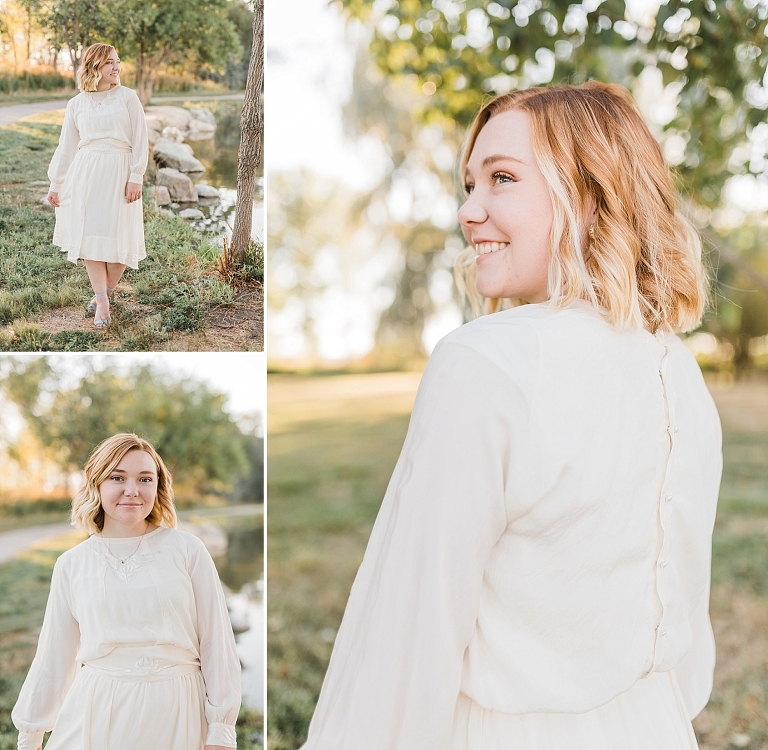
[
  {"x": 172, "y": 302},
  {"x": 24, "y": 586},
  {"x": 333, "y": 442}
]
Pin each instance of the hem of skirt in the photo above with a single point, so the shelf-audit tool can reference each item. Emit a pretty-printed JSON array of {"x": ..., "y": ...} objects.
[{"x": 73, "y": 254}]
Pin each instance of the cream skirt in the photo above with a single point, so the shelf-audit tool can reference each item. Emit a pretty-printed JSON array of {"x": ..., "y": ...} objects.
[
  {"x": 94, "y": 221},
  {"x": 134, "y": 699},
  {"x": 649, "y": 716}
]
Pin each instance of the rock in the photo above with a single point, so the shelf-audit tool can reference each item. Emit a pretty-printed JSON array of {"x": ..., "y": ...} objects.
[
  {"x": 172, "y": 134},
  {"x": 200, "y": 131},
  {"x": 206, "y": 191},
  {"x": 176, "y": 117},
  {"x": 204, "y": 114},
  {"x": 191, "y": 213},
  {"x": 178, "y": 156},
  {"x": 161, "y": 195},
  {"x": 179, "y": 185}
]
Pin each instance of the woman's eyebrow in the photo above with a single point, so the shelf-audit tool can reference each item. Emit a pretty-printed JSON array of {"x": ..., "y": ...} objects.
[{"x": 501, "y": 157}]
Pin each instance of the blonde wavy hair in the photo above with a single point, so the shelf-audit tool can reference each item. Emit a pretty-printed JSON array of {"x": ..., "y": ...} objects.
[
  {"x": 641, "y": 264},
  {"x": 87, "y": 512},
  {"x": 89, "y": 72}
]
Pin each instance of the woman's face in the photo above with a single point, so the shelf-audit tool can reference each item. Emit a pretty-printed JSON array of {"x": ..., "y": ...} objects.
[
  {"x": 128, "y": 493},
  {"x": 508, "y": 215},
  {"x": 110, "y": 71}
]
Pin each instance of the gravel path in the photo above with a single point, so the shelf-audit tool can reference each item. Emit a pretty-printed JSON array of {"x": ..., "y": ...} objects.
[
  {"x": 15, "y": 112},
  {"x": 13, "y": 542}
]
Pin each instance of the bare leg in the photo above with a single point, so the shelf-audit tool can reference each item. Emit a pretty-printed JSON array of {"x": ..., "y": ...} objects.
[
  {"x": 97, "y": 273},
  {"x": 114, "y": 274}
]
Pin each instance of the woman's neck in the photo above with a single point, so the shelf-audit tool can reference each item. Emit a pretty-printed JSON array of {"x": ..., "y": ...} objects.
[
  {"x": 115, "y": 530},
  {"x": 102, "y": 86}
]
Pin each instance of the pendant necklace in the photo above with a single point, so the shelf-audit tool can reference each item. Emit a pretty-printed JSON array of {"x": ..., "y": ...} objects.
[{"x": 122, "y": 562}]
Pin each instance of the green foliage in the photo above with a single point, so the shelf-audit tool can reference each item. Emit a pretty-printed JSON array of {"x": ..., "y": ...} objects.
[
  {"x": 458, "y": 53},
  {"x": 182, "y": 418},
  {"x": 29, "y": 81}
]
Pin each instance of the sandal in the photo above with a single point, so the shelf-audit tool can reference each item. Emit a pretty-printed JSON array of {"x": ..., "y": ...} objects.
[
  {"x": 90, "y": 308},
  {"x": 101, "y": 322}
]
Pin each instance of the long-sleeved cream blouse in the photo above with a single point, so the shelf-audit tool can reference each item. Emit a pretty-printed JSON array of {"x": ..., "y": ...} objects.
[
  {"x": 545, "y": 540},
  {"x": 117, "y": 118},
  {"x": 168, "y": 594}
]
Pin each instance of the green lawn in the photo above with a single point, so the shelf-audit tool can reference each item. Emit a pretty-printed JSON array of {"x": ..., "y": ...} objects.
[
  {"x": 24, "y": 585},
  {"x": 171, "y": 303},
  {"x": 333, "y": 442}
]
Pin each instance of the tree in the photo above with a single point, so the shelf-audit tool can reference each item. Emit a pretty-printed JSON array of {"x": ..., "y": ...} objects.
[
  {"x": 196, "y": 32},
  {"x": 251, "y": 126},
  {"x": 201, "y": 444},
  {"x": 73, "y": 25}
]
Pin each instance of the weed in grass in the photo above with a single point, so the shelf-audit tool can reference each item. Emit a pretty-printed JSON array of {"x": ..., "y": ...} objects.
[{"x": 75, "y": 341}]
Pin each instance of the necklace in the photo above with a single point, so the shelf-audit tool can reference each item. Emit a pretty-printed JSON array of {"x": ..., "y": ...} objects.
[{"x": 122, "y": 561}]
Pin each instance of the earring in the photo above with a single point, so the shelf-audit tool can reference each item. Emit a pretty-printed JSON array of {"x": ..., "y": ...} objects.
[{"x": 591, "y": 231}]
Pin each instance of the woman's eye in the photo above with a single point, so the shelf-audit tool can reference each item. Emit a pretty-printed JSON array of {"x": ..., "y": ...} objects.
[
  {"x": 468, "y": 189},
  {"x": 147, "y": 480},
  {"x": 502, "y": 178},
  {"x": 116, "y": 478}
]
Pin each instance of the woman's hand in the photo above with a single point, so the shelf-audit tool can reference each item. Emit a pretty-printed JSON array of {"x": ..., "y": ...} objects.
[
  {"x": 132, "y": 191},
  {"x": 53, "y": 198}
]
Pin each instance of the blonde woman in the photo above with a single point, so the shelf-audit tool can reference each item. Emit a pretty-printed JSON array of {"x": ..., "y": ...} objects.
[
  {"x": 136, "y": 650},
  {"x": 96, "y": 175},
  {"x": 538, "y": 576}
]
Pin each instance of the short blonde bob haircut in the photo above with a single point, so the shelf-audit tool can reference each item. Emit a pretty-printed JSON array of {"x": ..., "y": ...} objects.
[
  {"x": 89, "y": 72},
  {"x": 640, "y": 261},
  {"x": 87, "y": 512}
]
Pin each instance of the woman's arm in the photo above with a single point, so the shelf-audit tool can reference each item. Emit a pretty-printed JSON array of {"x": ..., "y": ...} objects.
[
  {"x": 395, "y": 673},
  {"x": 140, "y": 142},
  {"x": 53, "y": 668},
  {"x": 65, "y": 151},
  {"x": 219, "y": 661}
]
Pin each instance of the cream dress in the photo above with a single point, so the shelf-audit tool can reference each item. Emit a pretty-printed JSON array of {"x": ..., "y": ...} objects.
[
  {"x": 538, "y": 575},
  {"x": 103, "y": 145},
  {"x": 133, "y": 656}
]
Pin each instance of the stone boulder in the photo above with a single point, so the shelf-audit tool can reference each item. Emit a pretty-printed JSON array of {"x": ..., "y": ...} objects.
[
  {"x": 172, "y": 134},
  {"x": 178, "y": 156},
  {"x": 179, "y": 185},
  {"x": 191, "y": 213},
  {"x": 160, "y": 194},
  {"x": 197, "y": 124},
  {"x": 206, "y": 191}
]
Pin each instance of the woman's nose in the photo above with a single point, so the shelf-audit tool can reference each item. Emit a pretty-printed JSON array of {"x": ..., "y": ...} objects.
[{"x": 472, "y": 211}]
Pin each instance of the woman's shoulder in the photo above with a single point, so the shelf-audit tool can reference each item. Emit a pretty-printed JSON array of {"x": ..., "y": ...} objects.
[{"x": 184, "y": 541}]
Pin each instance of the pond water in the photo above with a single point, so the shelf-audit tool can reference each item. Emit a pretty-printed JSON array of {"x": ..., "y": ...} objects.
[
  {"x": 219, "y": 157},
  {"x": 236, "y": 543}
]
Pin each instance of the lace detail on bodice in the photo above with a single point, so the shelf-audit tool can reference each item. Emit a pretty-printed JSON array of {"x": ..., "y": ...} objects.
[{"x": 125, "y": 570}]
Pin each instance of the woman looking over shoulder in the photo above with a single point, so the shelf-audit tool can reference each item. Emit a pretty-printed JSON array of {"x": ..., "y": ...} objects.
[
  {"x": 96, "y": 176},
  {"x": 538, "y": 575},
  {"x": 136, "y": 650}
]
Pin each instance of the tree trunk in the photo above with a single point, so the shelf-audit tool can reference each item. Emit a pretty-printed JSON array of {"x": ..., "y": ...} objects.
[{"x": 251, "y": 126}]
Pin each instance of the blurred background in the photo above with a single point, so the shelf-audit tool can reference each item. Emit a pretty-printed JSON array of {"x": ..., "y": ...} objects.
[
  {"x": 204, "y": 413},
  {"x": 369, "y": 105}
]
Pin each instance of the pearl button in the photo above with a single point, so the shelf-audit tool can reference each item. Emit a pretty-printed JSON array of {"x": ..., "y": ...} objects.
[
  {"x": 662, "y": 631},
  {"x": 663, "y": 564},
  {"x": 668, "y": 498},
  {"x": 676, "y": 428}
]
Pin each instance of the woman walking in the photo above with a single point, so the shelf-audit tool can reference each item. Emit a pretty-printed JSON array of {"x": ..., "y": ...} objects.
[
  {"x": 538, "y": 575},
  {"x": 96, "y": 176},
  {"x": 136, "y": 650}
]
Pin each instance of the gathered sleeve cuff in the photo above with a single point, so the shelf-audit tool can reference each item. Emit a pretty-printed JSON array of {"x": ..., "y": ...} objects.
[
  {"x": 53, "y": 669},
  {"x": 219, "y": 661},
  {"x": 395, "y": 672},
  {"x": 140, "y": 140},
  {"x": 65, "y": 151}
]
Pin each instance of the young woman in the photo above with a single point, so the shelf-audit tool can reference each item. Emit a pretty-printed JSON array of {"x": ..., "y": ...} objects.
[
  {"x": 136, "y": 650},
  {"x": 96, "y": 175},
  {"x": 538, "y": 576}
]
